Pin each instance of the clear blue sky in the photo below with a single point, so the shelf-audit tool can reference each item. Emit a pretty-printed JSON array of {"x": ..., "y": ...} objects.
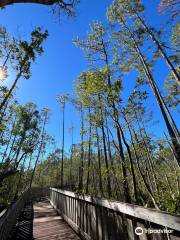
[{"x": 62, "y": 62}]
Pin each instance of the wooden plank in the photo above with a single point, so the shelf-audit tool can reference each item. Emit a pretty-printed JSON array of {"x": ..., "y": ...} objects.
[
  {"x": 98, "y": 223},
  {"x": 49, "y": 226},
  {"x": 113, "y": 229},
  {"x": 73, "y": 209},
  {"x": 121, "y": 227},
  {"x": 104, "y": 223},
  {"x": 93, "y": 222},
  {"x": 76, "y": 211},
  {"x": 143, "y": 236},
  {"x": 85, "y": 217},
  {"x": 159, "y": 217},
  {"x": 88, "y": 222},
  {"x": 74, "y": 226},
  {"x": 130, "y": 229},
  {"x": 82, "y": 215},
  {"x": 71, "y": 202}
]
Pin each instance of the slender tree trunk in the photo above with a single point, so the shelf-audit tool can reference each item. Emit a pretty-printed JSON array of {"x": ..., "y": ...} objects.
[
  {"x": 81, "y": 167},
  {"x": 10, "y": 137},
  {"x": 62, "y": 154},
  {"x": 3, "y": 103},
  {"x": 131, "y": 162},
  {"x": 70, "y": 172},
  {"x": 7, "y": 57},
  {"x": 109, "y": 144},
  {"x": 28, "y": 169},
  {"x": 168, "y": 125},
  {"x": 3, "y": 112},
  {"x": 148, "y": 153},
  {"x": 106, "y": 162},
  {"x": 71, "y": 159},
  {"x": 176, "y": 130},
  {"x": 116, "y": 120},
  {"x": 161, "y": 50},
  {"x": 89, "y": 152},
  {"x": 11, "y": 149},
  {"x": 20, "y": 178},
  {"x": 140, "y": 171},
  {"x": 99, "y": 162},
  {"x": 16, "y": 155},
  {"x": 39, "y": 150},
  {"x": 5, "y": 107},
  {"x": 158, "y": 96},
  {"x": 105, "y": 155},
  {"x": 115, "y": 182}
]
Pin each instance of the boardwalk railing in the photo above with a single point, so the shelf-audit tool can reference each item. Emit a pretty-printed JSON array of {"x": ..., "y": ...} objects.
[
  {"x": 101, "y": 219},
  {"x": 8, "y": 218}
]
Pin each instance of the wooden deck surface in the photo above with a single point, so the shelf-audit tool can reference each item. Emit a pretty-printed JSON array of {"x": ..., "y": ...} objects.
[{"x": 49, "y": 226}]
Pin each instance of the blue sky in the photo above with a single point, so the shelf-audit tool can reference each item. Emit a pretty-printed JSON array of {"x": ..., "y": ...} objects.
[{"x": 62, "y": 62}]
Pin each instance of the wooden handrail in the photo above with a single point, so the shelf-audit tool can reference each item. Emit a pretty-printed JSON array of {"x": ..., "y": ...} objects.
[
  {"x": 79, "y": 210},
  {"x": 152, "y": 215},
  {"x": 9, "y": 217}
]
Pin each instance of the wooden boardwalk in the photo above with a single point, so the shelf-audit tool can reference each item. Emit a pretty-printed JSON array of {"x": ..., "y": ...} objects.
[{"x": 49, "y": 226}]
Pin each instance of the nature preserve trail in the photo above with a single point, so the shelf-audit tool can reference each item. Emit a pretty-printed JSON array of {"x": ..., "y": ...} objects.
[{"x": 48, "y": 225}]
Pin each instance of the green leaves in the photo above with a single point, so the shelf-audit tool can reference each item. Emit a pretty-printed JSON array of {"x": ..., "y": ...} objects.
[
  {"x": 121, "y": 9},
  {"x": 95, "y": 43},
  {"x": 172, "y": 90},
  {"x": 26, "y": 52},
  {"x": 176, "y": 35}
]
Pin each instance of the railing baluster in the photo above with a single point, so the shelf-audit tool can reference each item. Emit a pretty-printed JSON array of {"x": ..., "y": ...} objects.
[{"x": 101, "y": 219}]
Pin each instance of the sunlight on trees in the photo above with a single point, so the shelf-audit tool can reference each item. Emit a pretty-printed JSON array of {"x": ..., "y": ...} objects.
[
  {"x": 117, "y": 155},
  {"x": 3, "y": 73}
]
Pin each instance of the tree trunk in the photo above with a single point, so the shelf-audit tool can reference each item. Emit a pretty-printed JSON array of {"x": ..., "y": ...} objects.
[
  {"x": 81, "y": 167},
  {"x": 131, "y": 163},
  {"x": 148, "y": 153},
  {"x": 10, "y": 91},
  {"x": 140, "y": 171},
  {"x": 117, "y": 188},
  {"x": 99, "y": 162},
  {"x": 70, "y": 170},
  {"x": 160, "y": 48},
  {"x": 20, "y": 178},
  {"x": 39, "y": 150},
  {"x": 62, "y": 154},
  {"x": 11, "y": 149},
  {"x": 105, "y": 154},
  {"x": 116, "y": 120},
  {"x": 10, "y": 137},
  {"x": 89, "y": 152},
  {"x": 3, "y": 112},
  {"x": 158, "y": 96}
]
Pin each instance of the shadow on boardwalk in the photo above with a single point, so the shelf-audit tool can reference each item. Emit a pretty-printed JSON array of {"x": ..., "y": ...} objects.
[{"x": 49, "y": 226}]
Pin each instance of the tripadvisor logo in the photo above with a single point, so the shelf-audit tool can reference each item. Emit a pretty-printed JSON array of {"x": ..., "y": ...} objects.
[{"x": 139, "y": 231}]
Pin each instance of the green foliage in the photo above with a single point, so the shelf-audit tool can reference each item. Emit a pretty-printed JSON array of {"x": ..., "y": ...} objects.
[
  {"x": 172, "y": 90},
  {"x": 176, "y": 35},
  {"x": 26, "y": 52},
  {"x": 118, "y": 155}
]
